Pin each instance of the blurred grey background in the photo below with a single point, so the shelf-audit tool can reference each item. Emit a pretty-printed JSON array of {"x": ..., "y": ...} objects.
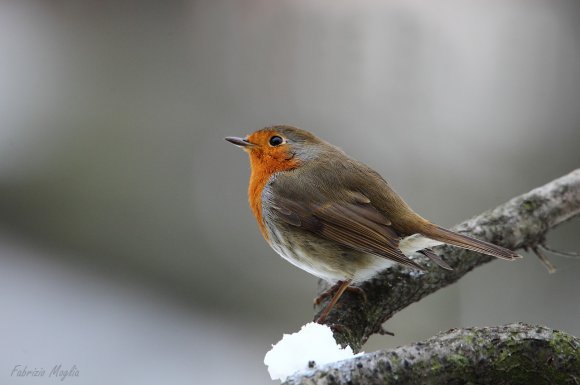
[{"x": 126, "y": 244}]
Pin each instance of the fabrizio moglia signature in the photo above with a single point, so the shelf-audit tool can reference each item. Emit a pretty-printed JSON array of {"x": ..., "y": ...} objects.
[{"x": 57, "y": 372}]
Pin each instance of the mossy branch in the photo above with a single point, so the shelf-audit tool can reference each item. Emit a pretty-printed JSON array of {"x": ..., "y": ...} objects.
[
  {"x": 506, "y": 355},
  {"x": 520, "y": 223}
]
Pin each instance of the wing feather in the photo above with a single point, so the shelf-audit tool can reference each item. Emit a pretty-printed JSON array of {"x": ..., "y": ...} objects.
[{"x": 356, "y": 224}]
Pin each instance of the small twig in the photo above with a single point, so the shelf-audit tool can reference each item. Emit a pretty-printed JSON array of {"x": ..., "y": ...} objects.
[
  {"x": 566, "y": 254},
  {"x": 384, "y": 332},
  {"x": 545, "y": 261}
]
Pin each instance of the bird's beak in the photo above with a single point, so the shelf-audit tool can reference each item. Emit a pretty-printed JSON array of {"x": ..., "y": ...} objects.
[{"x": 240, "y": 142}]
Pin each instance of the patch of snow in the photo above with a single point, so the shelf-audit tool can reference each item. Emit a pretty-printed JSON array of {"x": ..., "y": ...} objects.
[{"x": 312, "y": 346}]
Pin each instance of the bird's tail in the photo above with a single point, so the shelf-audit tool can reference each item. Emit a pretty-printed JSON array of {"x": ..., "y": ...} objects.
[{"x": 446, "y": 236}]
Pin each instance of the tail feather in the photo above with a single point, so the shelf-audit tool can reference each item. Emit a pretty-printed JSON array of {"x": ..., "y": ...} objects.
[{"x": 446, "y": 236}]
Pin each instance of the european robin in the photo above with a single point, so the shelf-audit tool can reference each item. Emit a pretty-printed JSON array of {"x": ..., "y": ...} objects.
[{"x": 334, "y": 216}]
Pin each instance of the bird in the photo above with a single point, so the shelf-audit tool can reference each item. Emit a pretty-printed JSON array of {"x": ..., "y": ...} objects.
[{"x": 335, "y": 217}]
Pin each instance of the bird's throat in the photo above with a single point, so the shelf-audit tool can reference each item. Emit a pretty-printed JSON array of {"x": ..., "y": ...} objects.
[{"x": 263, "y": 168}]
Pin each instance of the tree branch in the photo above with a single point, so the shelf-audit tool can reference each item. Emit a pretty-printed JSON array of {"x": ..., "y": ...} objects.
[
  {"x": 511, "y": 354},
  {"x": 520, "y": 223}
]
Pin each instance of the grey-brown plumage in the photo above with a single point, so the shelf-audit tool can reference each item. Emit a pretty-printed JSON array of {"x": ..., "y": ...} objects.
[
  {"x": 352, "y": 208},
  {"x": 334, "y": 216}
]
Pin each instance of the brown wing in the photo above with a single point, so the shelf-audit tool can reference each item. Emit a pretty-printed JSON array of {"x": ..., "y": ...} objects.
[{"x": 354, "y": 223}]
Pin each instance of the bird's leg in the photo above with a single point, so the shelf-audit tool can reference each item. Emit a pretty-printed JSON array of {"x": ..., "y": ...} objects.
[
  {"x": 340, "y": 287},
  {"x": 327, "y": 293}
]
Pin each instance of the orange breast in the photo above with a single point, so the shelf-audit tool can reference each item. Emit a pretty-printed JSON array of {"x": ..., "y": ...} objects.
[{"x": 263, "y": 167}]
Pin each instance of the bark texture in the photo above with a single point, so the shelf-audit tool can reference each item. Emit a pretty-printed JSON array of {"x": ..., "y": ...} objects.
[
  {"x": 503, "y": 355},
  {"x": 520, "y": 223}
]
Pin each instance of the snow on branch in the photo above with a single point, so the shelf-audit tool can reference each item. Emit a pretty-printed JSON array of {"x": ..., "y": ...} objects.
[
  {"x": 520, "y": 223},
  {"x": 511, "y": 354}
]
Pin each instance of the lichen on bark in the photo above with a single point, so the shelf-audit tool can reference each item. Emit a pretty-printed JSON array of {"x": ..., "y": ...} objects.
[{"x": 504, "y": 355}]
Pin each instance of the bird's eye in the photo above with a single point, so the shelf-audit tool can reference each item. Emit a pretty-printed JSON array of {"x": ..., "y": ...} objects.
[{"x": 276, "y": 141}]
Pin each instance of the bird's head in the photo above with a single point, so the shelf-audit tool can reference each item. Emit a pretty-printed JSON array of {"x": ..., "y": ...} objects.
[{"x": 278, "y": 148}]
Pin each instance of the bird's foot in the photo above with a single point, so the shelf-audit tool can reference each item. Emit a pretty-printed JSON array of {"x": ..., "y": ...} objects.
[{"x": 331, "y": 291}]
